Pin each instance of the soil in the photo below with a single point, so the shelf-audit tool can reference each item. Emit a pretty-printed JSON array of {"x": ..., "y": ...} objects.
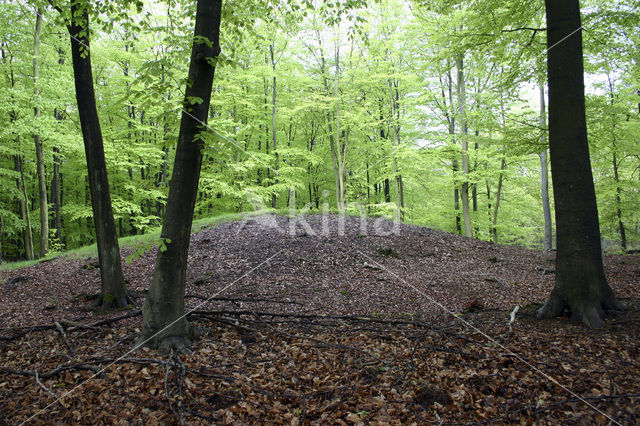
[{"x": 322, "y": 320}]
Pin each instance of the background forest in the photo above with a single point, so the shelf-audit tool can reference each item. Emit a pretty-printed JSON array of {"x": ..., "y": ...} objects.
[{"x": 428, "y": 112}]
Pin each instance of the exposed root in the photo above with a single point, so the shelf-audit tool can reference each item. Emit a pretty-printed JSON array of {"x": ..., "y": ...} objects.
[
  {"x": 166, "y": 341},
  {"x": 107, "y": 302},
  {"x": 589, "y": 312},
  {"x": 176, "y": 368}
]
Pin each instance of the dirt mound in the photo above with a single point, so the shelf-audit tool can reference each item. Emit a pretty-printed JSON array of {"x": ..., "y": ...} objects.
[{"x": 322, "y": 319}]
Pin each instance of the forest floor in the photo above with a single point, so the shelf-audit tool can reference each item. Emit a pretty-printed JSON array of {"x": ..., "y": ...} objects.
[{"x": 307, "y": 321}]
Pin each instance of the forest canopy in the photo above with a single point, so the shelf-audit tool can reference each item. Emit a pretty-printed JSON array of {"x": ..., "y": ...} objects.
[{"x": 428, "y": 112}]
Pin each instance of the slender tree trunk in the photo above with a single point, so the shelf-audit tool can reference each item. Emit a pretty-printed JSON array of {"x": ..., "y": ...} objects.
[
  {"x": 474, "y": 187},
  {"x": 113, "y": 293},
  {"x": 387, "y": 191},
  {"x": 454, "y": 163},
  {"x": 581, "y": 285},
  {"x": 42, "y": 182},
  {"x": 336, "y": 144},
  {"x": 489, "y": 208},
  {"x": 56, "y": 180},
  {"x": 28, "y": 234},
  {"x": 273, "y": 122},
  {"x": 334, "y": 136},
  {"x": 395, "y": 116},
  {"x": 165, "y": 325},
  {"x": 464, "y": 188},
  {"x": 55, "y": 194},
  {"x": 616, "y": 176},
  {"x": 546, "y": 207},
  {"x": 494, "y": 223}
]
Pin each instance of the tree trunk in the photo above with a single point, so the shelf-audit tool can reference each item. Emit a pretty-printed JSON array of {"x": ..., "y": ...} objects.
[
  {"x": 113, "y": 293},
  {"x": 464, "y": 188},
  {"x": 273, "y": 122},
  {"x": 489, "y": 209},
  {"x": 580, "y": 285},
  {"x": 24, "y": 207},
  {"x": 165, "y": 324},
  {"x": 42, "y": 182},
  {"x": 451, "y": 121},
  {"x": 395, "y": 116},
  {"x": 337, "y": 145},
  {"x": 55, "y": 194},
  {"x": 494, "y": 223},
  {"x": 546, "y": 207},
  {"x": 56, "y": 180},
  {"x": 334, "y": 136},
  {"x": 616, "y": 176},
  {"x": 387, "y": 192}
]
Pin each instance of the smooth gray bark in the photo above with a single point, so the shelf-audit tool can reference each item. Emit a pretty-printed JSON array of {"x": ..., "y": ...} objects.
[
  {"x": 544, "y": 177},
  {"x": 464, "y": 188},
  {"x": 42, "y": 182}
]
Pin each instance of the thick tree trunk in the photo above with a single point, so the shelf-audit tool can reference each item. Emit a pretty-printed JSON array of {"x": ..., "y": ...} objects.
[
  {"x": 544, "y": 181},
  {"x": 165, "y": 324},
  {"x": 113, "y": 293},
  {"x": 580, "y": 285},
  {"x": 42, "y": 182}
]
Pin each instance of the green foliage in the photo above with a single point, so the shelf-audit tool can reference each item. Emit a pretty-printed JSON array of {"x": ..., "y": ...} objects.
[{"x": 351, "y": 73}]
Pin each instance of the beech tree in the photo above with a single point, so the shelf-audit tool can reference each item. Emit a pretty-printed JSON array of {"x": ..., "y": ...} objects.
[
  {"x": 113, "y": 293},
  {"x": 580, "y": 285},
  {"x": 165, "y": 325},
  {"x": 42, "y": 183},
  {"x": 388, "y": 100}
]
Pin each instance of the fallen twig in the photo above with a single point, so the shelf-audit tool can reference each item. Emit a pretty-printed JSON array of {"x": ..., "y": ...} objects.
[
  {"x": 174, "y": 364},
  {"x": 240, "y": 299},
  {"x": 63, "y": 334},
  {"x": 360, "y": 318},
  {"x": 19, "y": 332},
  {"x": 55, "y": 371},
  {"x": 46, "y": 389}
]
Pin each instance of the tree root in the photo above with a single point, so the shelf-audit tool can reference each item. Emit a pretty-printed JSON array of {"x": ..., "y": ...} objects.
[
  {"x": 69, "y": 324},
  {"x": 589, "y": 312},
  {"x": 107, "y": 302},
  {"x": 176, "y": 368},
  {"x": 168, "y": 340}
]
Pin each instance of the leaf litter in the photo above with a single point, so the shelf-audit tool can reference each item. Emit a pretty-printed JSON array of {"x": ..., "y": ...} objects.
[{"x": 322, "y": 321}]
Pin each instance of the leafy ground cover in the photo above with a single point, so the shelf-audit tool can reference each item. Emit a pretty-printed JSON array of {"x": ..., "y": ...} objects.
[{"x": 315, "y": 320}]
